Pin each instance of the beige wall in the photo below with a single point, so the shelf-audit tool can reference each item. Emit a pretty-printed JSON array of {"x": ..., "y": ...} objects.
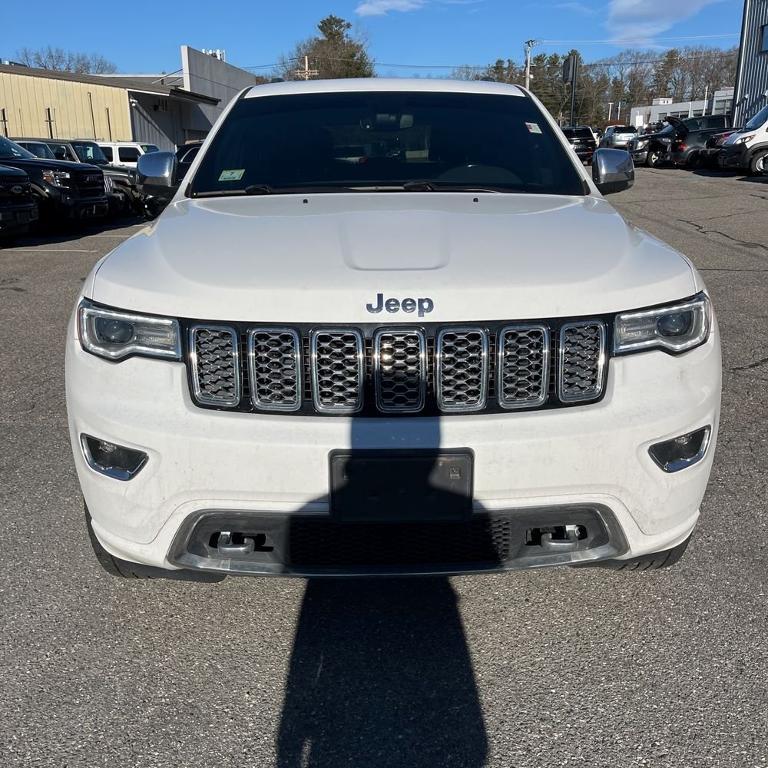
[{"x": 26, "y": 98}]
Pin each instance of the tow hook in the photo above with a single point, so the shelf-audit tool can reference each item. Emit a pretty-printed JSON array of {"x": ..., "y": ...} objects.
[
  {"x": 226, "y": 546},
  {"x": 566, "y": 541}
]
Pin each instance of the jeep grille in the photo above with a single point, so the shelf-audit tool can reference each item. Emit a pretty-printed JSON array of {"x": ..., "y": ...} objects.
[{"x": 373, "y": 371}]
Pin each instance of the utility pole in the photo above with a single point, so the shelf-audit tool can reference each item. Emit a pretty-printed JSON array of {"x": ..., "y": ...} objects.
[
  {"x": 306, "y": 73},
  {"x": 528, "y": 48},
  {"x": 610, "y": 110}
]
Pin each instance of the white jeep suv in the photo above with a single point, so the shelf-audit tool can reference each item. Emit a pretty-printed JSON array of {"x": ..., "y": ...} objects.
[{"x": 391, "y": 326}]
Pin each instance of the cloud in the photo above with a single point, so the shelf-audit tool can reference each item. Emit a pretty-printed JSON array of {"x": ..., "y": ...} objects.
[
  {"x": 576, "y": 7},
  {"x": 639, "y": 21},
  {"x": 383, "y": 7}
]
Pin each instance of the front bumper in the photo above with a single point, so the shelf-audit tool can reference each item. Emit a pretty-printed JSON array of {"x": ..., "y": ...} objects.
[
  {"x": 273, "y": 470},
  {"x": 639, "y": 156},
  {"x": 734, "y": 156},
  {"x": 62, "y": 203},
  {"x": 17, "y": 218}
]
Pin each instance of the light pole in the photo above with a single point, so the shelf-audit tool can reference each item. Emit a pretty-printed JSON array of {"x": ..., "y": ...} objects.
[{"x": 528, "y": 48}]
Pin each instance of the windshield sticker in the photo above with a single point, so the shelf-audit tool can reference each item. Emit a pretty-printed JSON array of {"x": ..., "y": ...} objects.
[
  {"x": 533, "y": 127},
  {"x": 234, "y": 174}
]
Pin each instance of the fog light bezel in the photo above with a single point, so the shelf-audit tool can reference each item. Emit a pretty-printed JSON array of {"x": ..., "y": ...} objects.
[
  {"x": 115, "y": 473},
  {"x": 676, "y": 465}
]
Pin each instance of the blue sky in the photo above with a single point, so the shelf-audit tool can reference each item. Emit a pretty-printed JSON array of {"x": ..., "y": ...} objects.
[{"x": 145, "y": 37}]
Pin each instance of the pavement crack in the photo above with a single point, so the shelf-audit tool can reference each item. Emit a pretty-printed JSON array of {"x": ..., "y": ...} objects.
[
  {"x": 700, "y": 228},
  {"x": 751, "y": 366}
]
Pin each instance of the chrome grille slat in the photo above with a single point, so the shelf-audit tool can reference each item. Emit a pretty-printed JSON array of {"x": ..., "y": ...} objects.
[
  {"x": 582, "y": 359},
  {"x": 400, "y": 369},
  {"x": 522, "y": 366},
  {"x": 215, "y": 359},
  {"x": 275, "y": 370},
  {"x": 461, "y": 369},
  {"x": 337, "y": 370}
]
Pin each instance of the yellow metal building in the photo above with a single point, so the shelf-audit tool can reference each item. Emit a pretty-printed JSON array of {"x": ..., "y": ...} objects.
[{"x": 40, "y": 103}]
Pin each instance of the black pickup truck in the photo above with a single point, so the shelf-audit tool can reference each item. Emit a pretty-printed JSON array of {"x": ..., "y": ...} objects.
[
  {"x": 581, "y": 138},
  {"x": 680, "y": 142},
  {"x": 121, "y": 189},
  {"x": 18, "y": 208},
  {"x": 63, "y": 191}
]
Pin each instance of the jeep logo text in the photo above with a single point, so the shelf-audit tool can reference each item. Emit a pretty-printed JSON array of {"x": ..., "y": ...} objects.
[{"x": 423, "y": 305}]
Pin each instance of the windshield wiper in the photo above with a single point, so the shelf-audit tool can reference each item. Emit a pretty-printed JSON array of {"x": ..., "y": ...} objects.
[
  {"x": 434, "y": 185},
  {"x": 251, "y": 189}
]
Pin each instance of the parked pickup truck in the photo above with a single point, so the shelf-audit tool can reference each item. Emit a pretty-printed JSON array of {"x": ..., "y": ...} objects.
[
  {"x": 120, "y": 183},
  {"x": 450, "y": 356},
  {"x": 63, "y": 191},
  {"x": 17, "y": 206}
]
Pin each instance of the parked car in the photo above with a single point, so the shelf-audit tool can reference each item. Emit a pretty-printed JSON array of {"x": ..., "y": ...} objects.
[
  {"x": 64, "y": 191},
  {"x": 18, "y": 209},
  {"x": 582, "y": 140},
  {"x": 618, "y": 136},
  {"x": 691, "y": 135},
  {"x": 125, "y": 153},
  {"x": 307, "y": 366},
  {"x": 122, "y": 190},
  {"x": 748, "y": 148},
  {"x": 680, "y": 142},
  {"x": 710, "y": 155}
]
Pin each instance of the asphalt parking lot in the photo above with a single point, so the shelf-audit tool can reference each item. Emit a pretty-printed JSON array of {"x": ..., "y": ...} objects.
[{"x": 549, "y": 668}]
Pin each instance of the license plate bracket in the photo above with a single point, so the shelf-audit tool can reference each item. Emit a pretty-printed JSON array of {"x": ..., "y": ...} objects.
[{"x": 401, "y": 485}]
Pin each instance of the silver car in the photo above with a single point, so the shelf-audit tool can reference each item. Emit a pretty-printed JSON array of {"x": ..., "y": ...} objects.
[{"x": 618, "y": 136}]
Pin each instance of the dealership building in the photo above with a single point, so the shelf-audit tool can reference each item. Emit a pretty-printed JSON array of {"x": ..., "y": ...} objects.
[{"x": 166, "y": 110}]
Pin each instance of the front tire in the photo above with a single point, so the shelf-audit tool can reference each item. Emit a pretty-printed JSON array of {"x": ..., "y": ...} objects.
[
  {"x": 654, "y": 159},
  {"x": 123, "y": 569},
  {"x": 758, "y": 163},
  {"x": 651, "y": 562}
]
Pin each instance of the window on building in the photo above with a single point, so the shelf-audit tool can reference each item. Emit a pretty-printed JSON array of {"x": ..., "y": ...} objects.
[
  {"x": 128, "y": 154},
  {"x": 764, "y": 39}
]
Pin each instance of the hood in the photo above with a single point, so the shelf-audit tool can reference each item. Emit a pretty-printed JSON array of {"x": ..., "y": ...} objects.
[
  {"x": 12, "y": 174},
  {"x": 323, "y": 258},
  {"x": 41, "y": 162}
]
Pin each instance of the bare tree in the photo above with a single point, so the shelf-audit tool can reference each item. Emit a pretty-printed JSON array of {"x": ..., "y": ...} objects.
[{"x": 65, "y": 61}]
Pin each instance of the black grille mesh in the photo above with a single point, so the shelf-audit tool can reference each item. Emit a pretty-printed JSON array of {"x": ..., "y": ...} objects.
[
  {"x": 581, "y": 350},
  {"x": 337, "y": 375},
  {"x": 523, "y": 370},
  {"x": 320, "y": 543},
  {"x": 275, "y": 373},
  {"x": 400, "y": 375},
  {"x": 216, "y": 373},
  {"x": 462, "y": 369}
]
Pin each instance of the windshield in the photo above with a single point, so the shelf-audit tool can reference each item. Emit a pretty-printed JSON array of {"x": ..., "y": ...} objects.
[
  {"x": 9, "y": 150},
  {"x": 386, "y": 141},
  {"x": 624, "y": 129},
  {"x": 760, "y": 118},
  {"x": 39, "y": 149},
  {"x": 89, "y": 152},
  {"x": 577, "y": 133}
]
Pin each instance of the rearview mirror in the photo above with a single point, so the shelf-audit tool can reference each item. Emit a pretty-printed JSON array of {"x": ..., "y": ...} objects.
[
  {"x": 612, "y": 170},
  {"x": 157, "y": 169}
]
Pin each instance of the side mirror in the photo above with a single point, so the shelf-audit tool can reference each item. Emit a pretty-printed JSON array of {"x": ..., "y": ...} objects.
[
  {"x": 612, "y": 170},
  {"x": 157, "y": 169}
]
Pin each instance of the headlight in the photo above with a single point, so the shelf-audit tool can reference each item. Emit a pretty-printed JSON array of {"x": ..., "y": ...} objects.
[
  {"x": 675, "y": 328},
  {"x": 116, "y": 335},
  {"x": 745, "y": 139},
  {"x": 56, "y": 178}
]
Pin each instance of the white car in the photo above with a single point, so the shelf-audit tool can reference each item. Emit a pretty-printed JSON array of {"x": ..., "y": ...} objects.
[
  {"x": 450, "y": 356},
  {"x": 125, "y": 154},
  {"x": 748, "y": 147}
]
